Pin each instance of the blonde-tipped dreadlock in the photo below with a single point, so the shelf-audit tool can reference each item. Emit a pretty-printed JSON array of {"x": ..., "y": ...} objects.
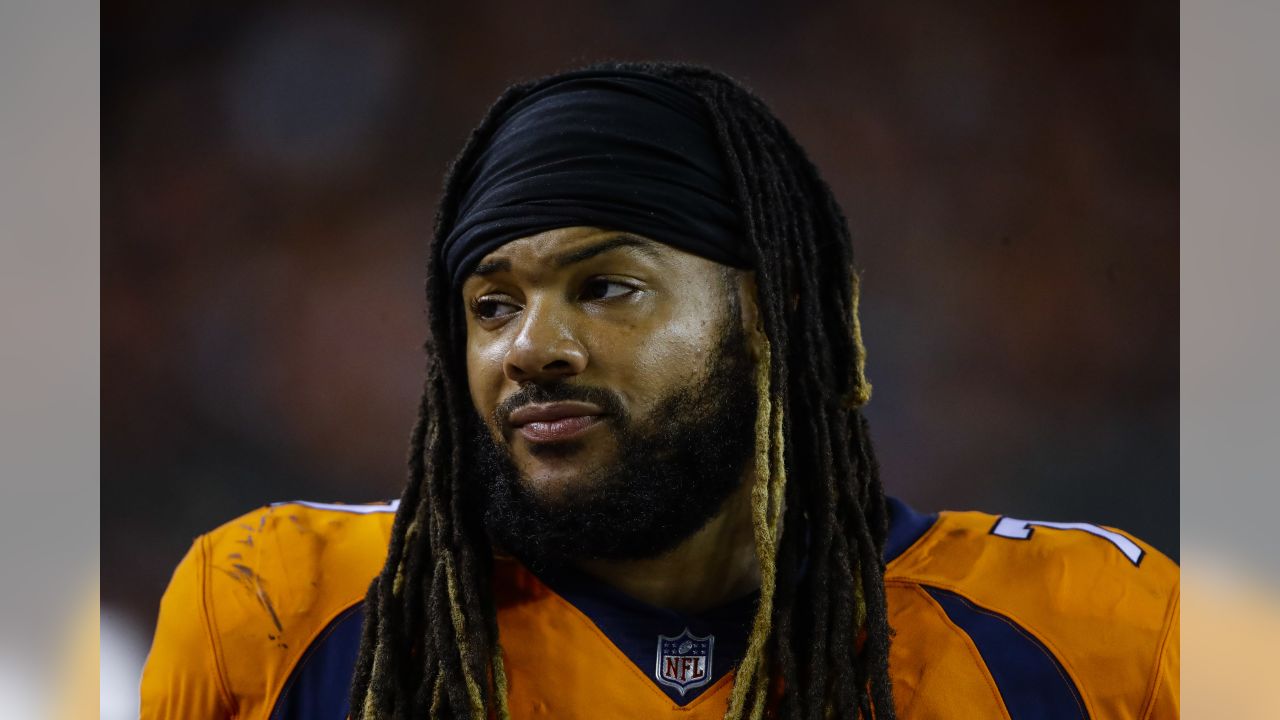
[
  {"x": 821, "y": 634},
  {"x": 861, "y": 391},
  {"x": 766, "y": 506}
]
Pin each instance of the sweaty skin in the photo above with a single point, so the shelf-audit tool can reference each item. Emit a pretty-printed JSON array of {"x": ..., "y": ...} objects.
[{"x": 604, "y": 309}]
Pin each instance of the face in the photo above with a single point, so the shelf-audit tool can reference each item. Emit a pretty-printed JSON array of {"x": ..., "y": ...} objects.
[{"x": 615, "y": 387}]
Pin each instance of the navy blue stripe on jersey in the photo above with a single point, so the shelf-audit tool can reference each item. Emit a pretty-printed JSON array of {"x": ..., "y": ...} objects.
[
  {"x": 1030, "y": 679},
  {"x": 317, "y": 688},
  {"x": 906, "y": 526}
]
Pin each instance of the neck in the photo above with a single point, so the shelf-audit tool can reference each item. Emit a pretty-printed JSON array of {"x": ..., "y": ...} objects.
[{"x": 713, "y": 566}]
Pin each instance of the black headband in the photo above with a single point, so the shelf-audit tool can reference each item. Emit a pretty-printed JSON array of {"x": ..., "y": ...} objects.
[{"x": 617, "y": 150}]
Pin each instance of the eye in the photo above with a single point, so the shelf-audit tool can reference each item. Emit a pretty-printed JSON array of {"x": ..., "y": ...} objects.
[
  {"x": 605, "y": 289},
  {"x": 493, "y": 307}
]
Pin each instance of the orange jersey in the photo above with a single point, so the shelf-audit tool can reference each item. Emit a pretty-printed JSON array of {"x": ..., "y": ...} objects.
[{"x": 994, "y": 617}]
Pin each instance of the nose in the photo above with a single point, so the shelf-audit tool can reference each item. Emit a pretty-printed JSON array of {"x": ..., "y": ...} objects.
[{"x": 546, "y": 349}]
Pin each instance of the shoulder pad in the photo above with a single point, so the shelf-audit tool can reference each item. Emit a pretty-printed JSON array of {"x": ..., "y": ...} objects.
[
  {"x": 1101, "y": 601},
  {"x": 278, "y": 576}
]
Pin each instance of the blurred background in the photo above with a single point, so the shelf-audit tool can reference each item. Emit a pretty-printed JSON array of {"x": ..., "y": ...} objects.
[{"x": 270, "y": 171}]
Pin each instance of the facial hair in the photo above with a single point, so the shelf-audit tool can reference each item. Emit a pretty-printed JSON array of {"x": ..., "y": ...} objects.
[{"x": 672, "y": 473}]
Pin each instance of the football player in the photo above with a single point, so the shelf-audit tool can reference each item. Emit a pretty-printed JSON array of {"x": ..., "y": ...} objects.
[{"x": 641, "y": 483}]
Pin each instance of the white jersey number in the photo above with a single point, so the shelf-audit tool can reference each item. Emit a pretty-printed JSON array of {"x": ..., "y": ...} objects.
[{"x": 1021, "y": 530}]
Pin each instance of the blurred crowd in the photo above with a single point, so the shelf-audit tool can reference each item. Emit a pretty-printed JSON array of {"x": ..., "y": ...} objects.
[{"x": 1010, "y": 173}]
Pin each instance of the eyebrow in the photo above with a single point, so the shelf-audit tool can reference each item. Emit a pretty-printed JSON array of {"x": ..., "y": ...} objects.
[
  {"x": 491, "y": 267},
  {"x": 617, "y": 241},
  {"x": 613, "y": 243}
]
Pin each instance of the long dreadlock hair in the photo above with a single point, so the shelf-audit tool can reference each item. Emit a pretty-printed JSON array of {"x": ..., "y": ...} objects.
[{"x": 430, "y": 645}]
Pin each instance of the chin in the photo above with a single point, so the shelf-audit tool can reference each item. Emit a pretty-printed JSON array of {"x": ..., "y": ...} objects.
[{"x": 554, "y": 473}]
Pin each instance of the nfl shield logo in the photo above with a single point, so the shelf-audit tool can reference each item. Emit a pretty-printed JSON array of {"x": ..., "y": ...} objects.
[{"x": 684, "y": 661}]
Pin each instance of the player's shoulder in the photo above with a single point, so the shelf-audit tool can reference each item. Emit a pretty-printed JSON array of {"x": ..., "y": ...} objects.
[
  {"x": 290, "y": 557},
  {"x": 1101, "y": 604},
  {"x": 1076, "y": 565},
  {"x": 277, "y": 578},
  {"x": 251, "y": 600}
]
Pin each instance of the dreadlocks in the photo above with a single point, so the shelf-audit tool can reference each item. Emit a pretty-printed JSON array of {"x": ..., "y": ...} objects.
[{"x": 430, "y": 644}]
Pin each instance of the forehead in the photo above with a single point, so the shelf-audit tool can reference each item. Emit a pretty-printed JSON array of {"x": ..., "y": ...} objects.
[
  {"x": 553, "y": 248},
  {"x": 549, "y": 252}
]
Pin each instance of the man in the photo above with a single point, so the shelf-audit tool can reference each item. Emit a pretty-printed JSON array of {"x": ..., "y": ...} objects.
[{"x": 641, "y": 484}]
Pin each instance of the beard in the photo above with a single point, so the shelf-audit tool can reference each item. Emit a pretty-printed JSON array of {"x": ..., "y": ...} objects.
[{"x": 671, "y": 474}]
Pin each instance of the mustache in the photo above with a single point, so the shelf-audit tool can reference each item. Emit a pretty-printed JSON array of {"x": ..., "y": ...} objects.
[{"x": 607, "y": 400}]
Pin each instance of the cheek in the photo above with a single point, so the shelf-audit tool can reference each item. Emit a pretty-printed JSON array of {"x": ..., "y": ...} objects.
[
  {"x": 484, "y": 375},
  {"x": 672, "y": 354}
]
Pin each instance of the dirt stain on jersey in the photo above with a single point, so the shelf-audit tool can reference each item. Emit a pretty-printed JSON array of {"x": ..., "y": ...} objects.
[
  {"x": 252, "y": 582},
  {"x": 297, "y": 524},
  {"x": 241, "y": 570}
]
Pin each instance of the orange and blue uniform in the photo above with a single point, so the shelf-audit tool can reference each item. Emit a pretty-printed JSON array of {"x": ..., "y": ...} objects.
[{"x": 995, "y": 617}]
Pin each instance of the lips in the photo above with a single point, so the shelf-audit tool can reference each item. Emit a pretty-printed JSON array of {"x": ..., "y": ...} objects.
[{"x": 554, "y": 422}]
